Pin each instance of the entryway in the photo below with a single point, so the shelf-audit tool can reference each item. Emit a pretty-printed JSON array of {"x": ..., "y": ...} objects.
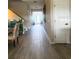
[{"x": 37, "y": 17}]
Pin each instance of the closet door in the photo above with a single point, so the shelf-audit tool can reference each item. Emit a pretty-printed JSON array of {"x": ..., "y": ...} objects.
[{"x": 61, "y": 13}]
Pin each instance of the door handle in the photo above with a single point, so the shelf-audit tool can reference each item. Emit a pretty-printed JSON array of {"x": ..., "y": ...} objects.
[{"x": 66, "y": 23}]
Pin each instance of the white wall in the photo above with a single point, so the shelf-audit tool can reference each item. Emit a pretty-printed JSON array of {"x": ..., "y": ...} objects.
[{"x": 48, "y": 19}]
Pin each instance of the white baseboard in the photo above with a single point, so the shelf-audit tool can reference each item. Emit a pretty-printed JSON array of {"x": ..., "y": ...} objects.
[{"x": 50, "y": 42}]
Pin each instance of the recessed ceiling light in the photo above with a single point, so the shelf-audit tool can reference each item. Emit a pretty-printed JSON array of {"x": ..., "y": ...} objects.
[{"x": 35, "y": 1}]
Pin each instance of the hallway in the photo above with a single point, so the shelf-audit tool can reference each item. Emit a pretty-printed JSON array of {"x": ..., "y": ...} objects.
[{"x": 34, "y": 45}]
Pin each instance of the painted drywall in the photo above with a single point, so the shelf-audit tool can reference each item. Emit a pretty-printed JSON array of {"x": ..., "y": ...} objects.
[
  {"x": 48, "y": 19},
  {"x": 12, "y": 16}
]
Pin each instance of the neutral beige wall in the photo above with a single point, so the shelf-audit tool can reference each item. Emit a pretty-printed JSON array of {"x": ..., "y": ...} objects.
[
  {"x": 48, "y": 18},
  {"x": 52, "y": 22}
]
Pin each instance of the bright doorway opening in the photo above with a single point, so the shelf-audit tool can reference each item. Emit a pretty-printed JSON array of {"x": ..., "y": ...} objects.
[{"x": 37, "y": 17}]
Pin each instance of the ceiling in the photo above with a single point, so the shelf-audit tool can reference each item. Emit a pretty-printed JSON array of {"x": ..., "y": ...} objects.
[
  {"x": 34, "y": 4},
  {"x": 22, "y": 7},
  {"x": 32, "y": 0}
]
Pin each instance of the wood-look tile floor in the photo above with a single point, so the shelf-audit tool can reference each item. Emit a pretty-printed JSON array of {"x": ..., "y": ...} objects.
[{"x": 34, "y": 45}]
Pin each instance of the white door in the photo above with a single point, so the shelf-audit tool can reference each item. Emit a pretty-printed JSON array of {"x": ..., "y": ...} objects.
[{"x": 61, "y": 21}]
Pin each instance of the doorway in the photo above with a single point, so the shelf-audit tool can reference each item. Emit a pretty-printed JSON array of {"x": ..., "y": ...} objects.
[{"x": 37, "y": 17}]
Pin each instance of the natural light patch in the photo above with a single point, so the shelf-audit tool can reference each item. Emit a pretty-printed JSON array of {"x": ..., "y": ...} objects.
[{"x": 37, "y": 17}]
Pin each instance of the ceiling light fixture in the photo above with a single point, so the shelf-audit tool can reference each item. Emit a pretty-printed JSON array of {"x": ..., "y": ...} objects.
[{"x": 35, "y": 1}]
